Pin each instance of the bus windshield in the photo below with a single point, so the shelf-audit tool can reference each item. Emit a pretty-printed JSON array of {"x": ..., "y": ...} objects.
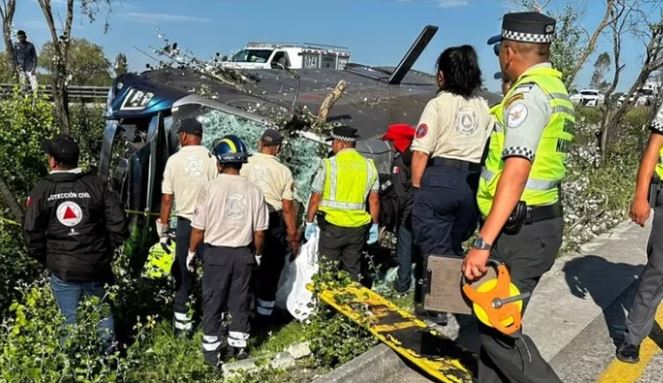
[{"x": 252, "y": 56}]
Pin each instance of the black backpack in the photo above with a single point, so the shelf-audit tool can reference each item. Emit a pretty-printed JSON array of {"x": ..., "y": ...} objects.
[{"x": 389, "y": 209}]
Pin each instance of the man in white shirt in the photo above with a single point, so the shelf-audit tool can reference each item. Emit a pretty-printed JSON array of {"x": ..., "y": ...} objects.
[
  {"x": 275, "y": 180},
  {"x": 231, "y": 218},
  {"x": 186, "y": 172}
]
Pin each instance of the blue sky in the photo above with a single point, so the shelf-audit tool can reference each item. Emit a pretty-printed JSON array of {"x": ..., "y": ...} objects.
[{"x": 377, "y": 31}]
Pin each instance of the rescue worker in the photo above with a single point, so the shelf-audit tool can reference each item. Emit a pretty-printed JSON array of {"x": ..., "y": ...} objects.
[
  {"x": 648, "y": 296},
  {"x": 519, "y": 190},
  {"x": 185, "y": 174},
  {"x": 231, "y": 214},
  {"x": 400, "y": 136},
  {"x": 26, "y": 61},
  {"x": 275, "y": 180},
  {"x": 339, "y": 191},
  {"x": 446, "y": 154},
  {"x": 72, "y": 225}
]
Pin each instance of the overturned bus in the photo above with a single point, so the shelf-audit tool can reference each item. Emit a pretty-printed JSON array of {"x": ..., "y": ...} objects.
[{"x": 143, "y": 109}]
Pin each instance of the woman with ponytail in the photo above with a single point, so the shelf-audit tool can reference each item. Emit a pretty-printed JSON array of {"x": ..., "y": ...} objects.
[{"x": 447, "y": 150}]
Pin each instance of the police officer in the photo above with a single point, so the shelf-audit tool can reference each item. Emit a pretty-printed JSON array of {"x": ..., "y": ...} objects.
[
  {"x": 72, "y": 224},
  {"x": 231, "y": 214},
  {"x": 447, "y": 149},
  {"x": 640, "y": 318},
  {"x": 340, "y": 189},
  {"x": 275, "y": 180},
  {"x": 520, "y": 183},
  {"x": 185, "y": 174}
]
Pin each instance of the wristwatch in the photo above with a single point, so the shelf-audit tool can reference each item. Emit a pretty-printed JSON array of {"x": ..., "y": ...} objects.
[{"x": 480, "y": 244}]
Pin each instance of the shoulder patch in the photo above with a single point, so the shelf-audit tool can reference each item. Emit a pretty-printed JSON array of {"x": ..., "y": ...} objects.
[
  {"x": 516, "y": 114},
  {"x": 514, "y": 98},
  {"x": 524, "y": 88},
  {"x": 422, "y": 131}
]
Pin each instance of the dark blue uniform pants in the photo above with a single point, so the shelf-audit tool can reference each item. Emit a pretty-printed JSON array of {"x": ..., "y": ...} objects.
[{"x": 445, "y": 212}]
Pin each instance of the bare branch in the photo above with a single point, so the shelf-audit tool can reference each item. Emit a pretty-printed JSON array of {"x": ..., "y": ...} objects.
[{"x": 608, "y": 17}]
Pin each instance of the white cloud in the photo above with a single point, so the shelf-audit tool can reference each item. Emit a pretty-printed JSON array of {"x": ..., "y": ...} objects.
[
  {"x": 156, "y": 18},
  {"x": 452, "y": 3}
]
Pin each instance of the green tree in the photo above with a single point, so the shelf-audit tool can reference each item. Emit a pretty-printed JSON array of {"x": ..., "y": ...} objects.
[
  {"x": 87, "y": 63},
  {"x": 121, "y": 66},
  {"x": 601, "y": 66}
]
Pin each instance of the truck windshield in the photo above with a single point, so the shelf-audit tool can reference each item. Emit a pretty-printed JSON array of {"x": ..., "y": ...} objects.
[{"x": 252, "y": 56}]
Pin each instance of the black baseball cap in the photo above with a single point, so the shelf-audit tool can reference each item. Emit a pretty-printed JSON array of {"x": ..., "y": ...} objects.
[
  {"x": 271, "y": 137},
  {"x": 21, "y": 34},
  {"x": 191, "y": 126},
  {"x": 63, "y": 148}
]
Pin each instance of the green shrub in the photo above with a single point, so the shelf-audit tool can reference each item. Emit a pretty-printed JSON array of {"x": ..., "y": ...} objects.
[
  {"x": 588, "y": 114},
  {"x": 26, "y": 122},
  {"x": 639, "y": 116}
]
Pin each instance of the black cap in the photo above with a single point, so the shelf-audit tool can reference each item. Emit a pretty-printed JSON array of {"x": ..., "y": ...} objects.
[
  {"x": 271, "y": 137},
  {"x": 190, "y": 126},
  {"x": 526, "y": 27},
  {"x": 21, "y": 33},
  {"x": 63, "y": 149},
  {"x": 344, "y": 133}
]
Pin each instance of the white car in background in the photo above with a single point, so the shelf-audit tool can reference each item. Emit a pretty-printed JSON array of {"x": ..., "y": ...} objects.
[
  {"x": 643, "y": 97},
  {"x": 588, "y": 97}
]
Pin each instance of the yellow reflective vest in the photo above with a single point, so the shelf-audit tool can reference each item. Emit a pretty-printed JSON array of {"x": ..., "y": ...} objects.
[
  {"x": 659, "y": 165},
  {"x": 548, "y": 168},
  {"x": 348, "y": 180}
]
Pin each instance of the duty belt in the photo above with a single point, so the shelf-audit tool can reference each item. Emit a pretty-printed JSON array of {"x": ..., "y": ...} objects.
[
  {"x": 454, "y": 163},
  {"x": 542, "y": 213}
]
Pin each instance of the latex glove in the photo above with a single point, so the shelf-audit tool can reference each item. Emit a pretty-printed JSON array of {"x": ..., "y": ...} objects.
[
  {"x": 373, "y": 234},
  {"x": 190, "y": 260},
  {"x": 309, "y": 230},
  {"x": 258, "y": 259},
  {"x": 162, "y": 228}
]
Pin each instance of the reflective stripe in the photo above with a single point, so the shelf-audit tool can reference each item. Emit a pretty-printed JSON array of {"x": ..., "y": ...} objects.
[
  {"x": 532, "y": 184},
  {"x": 368, "y": 178},
  {"x": 211, "y": 342},
  {"x": 211, "y": 346},
  {"x": 560, "y": 96},
  {"x": 333, "y": 173},
  {"x": 183, "y": 326},
  {"x": 264, "y": 311},
  {"x": 563, "y": 109},
  {"x": 342, "y": 205},
  {"x": 237, "y": 339},
  {"x": 182, "y": 321},
  {"x": 266, "y": 304},
  {"x": 210, "y": 338}
]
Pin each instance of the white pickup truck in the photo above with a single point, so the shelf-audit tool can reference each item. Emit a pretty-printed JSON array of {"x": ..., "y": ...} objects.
[{"x": 292, "y": 56}]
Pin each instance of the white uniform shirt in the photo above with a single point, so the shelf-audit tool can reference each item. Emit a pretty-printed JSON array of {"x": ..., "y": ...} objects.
[
  {"x": 453, "y": 126},
  {"x": 230, "y": 209},
  {"x": 184, "y": 176},
  {"x": 272, "y": 177}
]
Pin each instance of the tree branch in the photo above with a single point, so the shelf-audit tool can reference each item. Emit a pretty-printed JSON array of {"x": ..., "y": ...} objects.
[{"x": 607, "y": 19}]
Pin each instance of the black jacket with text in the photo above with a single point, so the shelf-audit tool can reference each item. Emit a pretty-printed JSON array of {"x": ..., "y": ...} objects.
[{"x": 72, "y": 225}]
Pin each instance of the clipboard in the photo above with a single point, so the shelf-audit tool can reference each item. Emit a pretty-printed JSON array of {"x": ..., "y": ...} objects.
[{"x": 443, "y": 292}]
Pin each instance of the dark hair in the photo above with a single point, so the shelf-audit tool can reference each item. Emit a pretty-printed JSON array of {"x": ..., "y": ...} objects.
[{"x": 460, "y": 68}]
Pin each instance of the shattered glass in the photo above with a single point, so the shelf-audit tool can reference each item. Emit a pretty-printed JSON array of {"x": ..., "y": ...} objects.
[{"x": 300, "y": 154}]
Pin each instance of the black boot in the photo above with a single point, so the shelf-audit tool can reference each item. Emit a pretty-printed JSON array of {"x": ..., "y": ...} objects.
[
  {"x": 239, "y": 353},
  {"x": 628, "y": 353}
]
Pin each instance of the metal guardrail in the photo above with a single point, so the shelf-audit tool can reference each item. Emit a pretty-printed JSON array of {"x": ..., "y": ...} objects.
[{"x": 76, "y": 92}]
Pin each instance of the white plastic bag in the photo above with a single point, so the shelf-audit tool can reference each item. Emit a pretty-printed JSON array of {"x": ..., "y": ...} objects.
[{"x": 292, "y": 292}]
